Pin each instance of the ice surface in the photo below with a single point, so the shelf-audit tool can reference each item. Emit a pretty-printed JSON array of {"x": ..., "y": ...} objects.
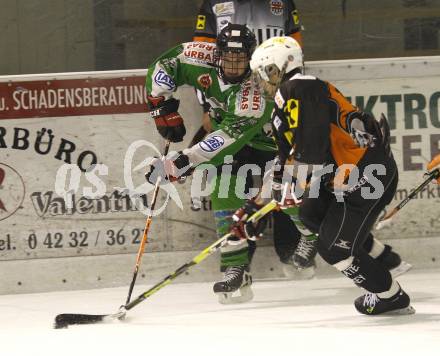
[{"x": 285, "y": 318}]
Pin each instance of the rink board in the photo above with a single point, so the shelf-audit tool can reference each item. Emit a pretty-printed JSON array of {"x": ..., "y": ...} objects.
[{"x": 86, "y": 118}]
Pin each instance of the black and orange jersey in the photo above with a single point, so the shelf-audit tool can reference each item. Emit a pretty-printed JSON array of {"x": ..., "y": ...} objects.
[
  {"x": 311, "y": 122},
  {"x": 266, "y": 18}
]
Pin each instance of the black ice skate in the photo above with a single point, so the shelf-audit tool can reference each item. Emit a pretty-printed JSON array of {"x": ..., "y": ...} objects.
[
  {"x": 371, "y": 304},
  {"x": 235, "y": 286},
  {"x": 392, "y": 261},
  {"x": 305, "y": 252}
]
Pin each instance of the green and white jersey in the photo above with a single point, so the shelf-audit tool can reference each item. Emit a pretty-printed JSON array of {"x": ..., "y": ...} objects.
[
  {"x": 242, "y": 111},
  {"x": 188, "y": 64}
]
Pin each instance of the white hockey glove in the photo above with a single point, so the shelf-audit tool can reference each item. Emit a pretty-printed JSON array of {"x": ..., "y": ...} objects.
[
  {"x": 283, "y": 192},
  {"x": 169, "y": 169},
  {"x": 359, "y": 134}
]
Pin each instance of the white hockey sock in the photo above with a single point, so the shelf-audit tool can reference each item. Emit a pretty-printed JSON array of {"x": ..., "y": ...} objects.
[
  {"x": 394, "y": 289},
  {"x": 344, "y": 264}
]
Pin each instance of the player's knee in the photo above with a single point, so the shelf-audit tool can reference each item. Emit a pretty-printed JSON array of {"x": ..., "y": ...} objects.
[
  {"x": 343, "y": 264},
  {"x": 331, "y": 255}
]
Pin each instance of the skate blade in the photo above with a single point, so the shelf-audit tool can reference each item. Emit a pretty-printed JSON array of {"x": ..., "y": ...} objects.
[
  {"x": 291, "y": 272},
  {"x": 404, "y": 311},
  {"x": 242, "y": 295},
  {"x": 400, "y": 269}
]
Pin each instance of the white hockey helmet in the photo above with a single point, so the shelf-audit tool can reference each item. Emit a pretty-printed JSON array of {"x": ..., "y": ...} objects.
[{"x": 273, "y": 59}]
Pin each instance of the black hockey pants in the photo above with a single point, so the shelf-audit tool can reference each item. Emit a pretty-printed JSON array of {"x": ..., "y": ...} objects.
[{"x": 344, "y": 227}]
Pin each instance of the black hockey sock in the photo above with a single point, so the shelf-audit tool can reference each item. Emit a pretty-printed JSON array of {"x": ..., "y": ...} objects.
[{"x": 366, "y": 272}]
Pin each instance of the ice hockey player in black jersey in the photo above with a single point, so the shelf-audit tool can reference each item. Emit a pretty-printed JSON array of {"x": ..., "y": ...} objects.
[{"x": 323, "y": 142}]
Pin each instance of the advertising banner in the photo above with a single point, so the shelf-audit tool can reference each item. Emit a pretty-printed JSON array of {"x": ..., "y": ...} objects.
[
  {"x": 50, "y": 209},
  {"x": 407, "y": 91}
]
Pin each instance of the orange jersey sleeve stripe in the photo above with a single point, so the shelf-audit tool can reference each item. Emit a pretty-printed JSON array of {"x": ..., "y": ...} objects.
[
  {"x": 203, "y": 39},
  {"x": 298, "y": 37},
  {"x": 344, "y": 150}
]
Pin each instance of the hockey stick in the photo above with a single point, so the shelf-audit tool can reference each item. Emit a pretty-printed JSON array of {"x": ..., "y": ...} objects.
[
  {"x": 146, "y": 229},
  {"x": 64, "y": 320},
  {"x": 388, "y": 216}
]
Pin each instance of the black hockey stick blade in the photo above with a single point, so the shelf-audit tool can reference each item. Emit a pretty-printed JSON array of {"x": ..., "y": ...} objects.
[{"x": 64, "y": 320}]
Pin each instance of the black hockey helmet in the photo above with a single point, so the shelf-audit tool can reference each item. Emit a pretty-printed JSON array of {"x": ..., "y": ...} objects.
[{"x": 235, "y": 45}]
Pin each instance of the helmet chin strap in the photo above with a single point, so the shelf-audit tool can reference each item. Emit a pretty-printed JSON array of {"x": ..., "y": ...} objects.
[{"x": 280, "y": 77}]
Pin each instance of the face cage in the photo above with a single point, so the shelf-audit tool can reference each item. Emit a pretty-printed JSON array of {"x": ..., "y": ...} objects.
[
  {"x": 268, "y": 79},
  {"x": 234, "y": 64}
]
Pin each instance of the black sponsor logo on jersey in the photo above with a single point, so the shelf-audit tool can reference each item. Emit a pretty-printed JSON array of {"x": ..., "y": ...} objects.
[
  {"x": 201, "y": 22},
  {"x": 295, "y": 17},
  {"x": 292, "y": 108}
]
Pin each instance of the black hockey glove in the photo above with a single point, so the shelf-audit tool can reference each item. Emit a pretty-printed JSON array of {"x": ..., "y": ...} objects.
[
  {"x": 168, "y": 121},
  {"x": 247, "y": 230}
]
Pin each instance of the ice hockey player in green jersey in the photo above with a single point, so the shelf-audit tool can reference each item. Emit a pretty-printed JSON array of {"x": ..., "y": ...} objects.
[{"x": 239, "y": 116}]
